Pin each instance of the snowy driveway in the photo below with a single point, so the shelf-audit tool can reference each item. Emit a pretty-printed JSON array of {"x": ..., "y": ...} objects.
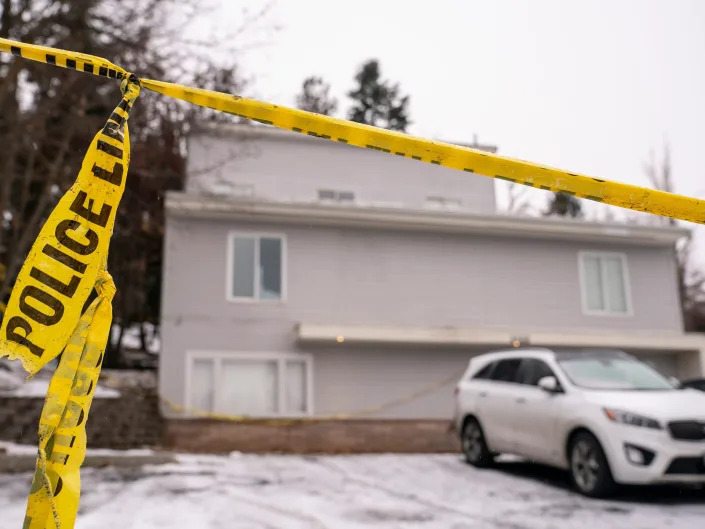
[{"x": 346, "y": 492}]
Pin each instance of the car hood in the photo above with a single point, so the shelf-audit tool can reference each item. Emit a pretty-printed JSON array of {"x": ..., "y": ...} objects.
[{"x": 666, "y": 405}]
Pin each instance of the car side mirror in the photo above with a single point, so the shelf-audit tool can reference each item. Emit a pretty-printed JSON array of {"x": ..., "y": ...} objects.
[
  {"x": 550, "y": 385},
  {"x": 676, "y": 383}
]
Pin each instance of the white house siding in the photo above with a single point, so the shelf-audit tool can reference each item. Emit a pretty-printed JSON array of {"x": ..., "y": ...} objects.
[
  {"x": 285, "y": 166},
  {"x": 356, "y": 276}
]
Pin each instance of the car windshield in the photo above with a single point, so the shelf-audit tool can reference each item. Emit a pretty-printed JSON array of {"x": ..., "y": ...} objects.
[{"x": 613, "y": 373}]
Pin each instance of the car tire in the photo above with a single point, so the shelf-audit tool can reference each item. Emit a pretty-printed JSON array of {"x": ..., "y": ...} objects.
[
  {"x": 589, "y": 469},
  {"x": 474, "y": 446}
]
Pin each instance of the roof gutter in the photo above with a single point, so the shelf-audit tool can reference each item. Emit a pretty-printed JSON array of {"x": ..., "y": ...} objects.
[{"x": 357, "y": 216}]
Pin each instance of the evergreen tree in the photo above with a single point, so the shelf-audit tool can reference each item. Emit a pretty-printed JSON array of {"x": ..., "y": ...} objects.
[
  {"x": 377, "y": 102},
  {"x": 314, "y": 97},
  {"x": 564, "y": 205}
]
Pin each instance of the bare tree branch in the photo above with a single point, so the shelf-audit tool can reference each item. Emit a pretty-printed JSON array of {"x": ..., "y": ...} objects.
[{"x": 31, "y": 227}]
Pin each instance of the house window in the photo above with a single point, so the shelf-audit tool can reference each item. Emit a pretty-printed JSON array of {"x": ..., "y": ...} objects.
[
  {"x": 605, "y": 283},
  {"x": 255, "y": 267},
  {"x": 332, "y": 195},
  {"x": 443, "y": 203},
  {"x": 250, "y": 384}
]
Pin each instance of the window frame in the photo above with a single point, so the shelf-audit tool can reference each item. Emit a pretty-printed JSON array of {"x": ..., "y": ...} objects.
[
  {"x": 441, "y": 203},
  {"x": 583, "y": 284},
  {"x": 230, "y": 267},
  {"x": 280, "y": 358}
]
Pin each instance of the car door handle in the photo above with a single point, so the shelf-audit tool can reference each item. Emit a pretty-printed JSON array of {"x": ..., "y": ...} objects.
[
  {"x": 521, "y": 400},
  {"x": 483, "y": 393}
]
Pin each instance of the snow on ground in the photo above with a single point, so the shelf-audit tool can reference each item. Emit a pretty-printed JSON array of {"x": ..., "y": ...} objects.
[
  {"x": 351, "y": 492},
  {"x": 37, "y": 387},
  {"x": 13, "y": 449},
  {"x": 131, "y": 337},
  {"x": 13, "y": 382}
]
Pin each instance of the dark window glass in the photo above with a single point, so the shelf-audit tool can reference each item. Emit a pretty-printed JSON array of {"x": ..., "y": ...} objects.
[
  {"x": 695, "y": 384},
  {"x": 270, "y": 262},
  {"x": 533, "y": 370},
  {"x": 244, "y": 267},
  {"x": 485, "y": 372},
  {"x": 506, "y": 370}
]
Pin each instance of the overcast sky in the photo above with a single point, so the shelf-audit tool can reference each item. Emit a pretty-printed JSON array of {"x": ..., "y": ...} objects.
[{"x": 589, "y": 86}]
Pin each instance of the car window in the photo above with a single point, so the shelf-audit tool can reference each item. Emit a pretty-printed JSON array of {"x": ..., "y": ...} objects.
[
  {"x": 532, "y": 370},
  {"x": 695, "y": 384},
  {"x": 613, "y": 373},
  {"x": 485, "y": 372},
  {"x": 506, "y": 370}
]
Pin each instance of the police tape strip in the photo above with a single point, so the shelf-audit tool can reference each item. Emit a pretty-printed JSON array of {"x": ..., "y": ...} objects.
[
  {"x": 405, "y": 399},
  {"x": 66, "y": 59},
  {"x": 56, "y": 487},
  {"x": 390, "y": 142},
  {"x": 43, "y": 316},
  {"x": 72, "y": 248}
]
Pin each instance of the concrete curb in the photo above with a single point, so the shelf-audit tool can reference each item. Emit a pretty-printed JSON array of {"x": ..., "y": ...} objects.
[{"x": 14, "y": 463}]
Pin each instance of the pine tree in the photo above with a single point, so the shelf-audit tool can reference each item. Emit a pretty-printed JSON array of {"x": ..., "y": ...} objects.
[
  {"x": 564, "y": 205},
  {"x": 314, "y": 97},
  {"x": 378, "y": 102}
]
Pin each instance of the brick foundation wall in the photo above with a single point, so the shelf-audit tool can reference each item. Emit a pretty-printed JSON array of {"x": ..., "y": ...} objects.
[
  {"x": 330, "y": 437},
  {"x": 130, "y": 421},
  {"x": 133, "y": 420}
]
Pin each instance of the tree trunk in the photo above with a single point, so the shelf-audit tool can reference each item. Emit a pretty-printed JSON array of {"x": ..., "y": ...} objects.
[
  {"x": 143, "y": 337},
  {"x": 113, "y": 352}
]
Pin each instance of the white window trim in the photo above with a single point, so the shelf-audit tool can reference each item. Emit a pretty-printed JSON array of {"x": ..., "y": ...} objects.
[
  {"x": 218, "y": 356},
  {"x": 230, "y": 268},
  {"x": 627, "y": 284}
]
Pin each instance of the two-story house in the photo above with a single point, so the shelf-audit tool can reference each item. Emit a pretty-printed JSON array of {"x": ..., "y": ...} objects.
[{"x": 306, "y": 278}]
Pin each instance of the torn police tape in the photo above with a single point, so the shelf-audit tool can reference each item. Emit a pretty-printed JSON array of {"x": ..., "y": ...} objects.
[
  {"x": 72, "y": 248},
  {"x": 56, "y": 487},
  {"x": 390, "y": 142},
  {"x": 43, "y": 316}
]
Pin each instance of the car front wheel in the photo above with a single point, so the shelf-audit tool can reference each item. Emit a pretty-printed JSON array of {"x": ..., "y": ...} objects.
[
  {"x": 474, "y": 446},
  {"x": 589, "y": 469}
]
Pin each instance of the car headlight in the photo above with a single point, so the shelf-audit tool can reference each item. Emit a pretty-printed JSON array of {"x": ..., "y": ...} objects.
[{"x": 625, "y": 417}]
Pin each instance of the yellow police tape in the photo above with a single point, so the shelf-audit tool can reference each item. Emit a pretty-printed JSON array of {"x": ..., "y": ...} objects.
[
  {"x": 43, "y": 316},
  {"x": 56, "y": 487},
  {"x": 71, "y": 249},
  {"x": 390, "y": 142}
]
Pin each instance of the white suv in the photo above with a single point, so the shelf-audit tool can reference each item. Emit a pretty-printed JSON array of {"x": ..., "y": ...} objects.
[{"x": 603, "y": 415}]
